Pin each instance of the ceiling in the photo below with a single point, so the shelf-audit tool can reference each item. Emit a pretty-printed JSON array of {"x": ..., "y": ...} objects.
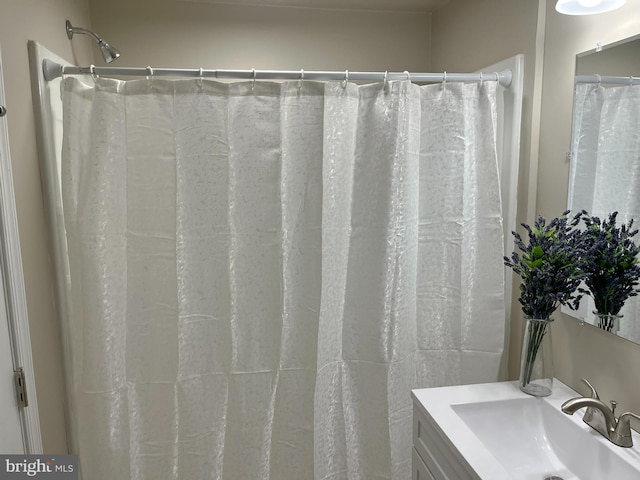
[{"x": 387, "y": 5}]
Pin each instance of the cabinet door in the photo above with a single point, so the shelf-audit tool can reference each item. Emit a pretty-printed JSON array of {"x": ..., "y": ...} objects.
[{"x": 419, "y": 469}]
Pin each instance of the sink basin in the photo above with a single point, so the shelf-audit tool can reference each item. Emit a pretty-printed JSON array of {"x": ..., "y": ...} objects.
[
  {"x": 547, "y": 442},
  {"x": 501, "y": 432}
]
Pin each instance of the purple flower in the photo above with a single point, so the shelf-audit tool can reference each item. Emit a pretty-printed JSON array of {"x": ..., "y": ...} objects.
[
  {"x": 611, "y": 262},
  {"x": 550, "y": 265}
]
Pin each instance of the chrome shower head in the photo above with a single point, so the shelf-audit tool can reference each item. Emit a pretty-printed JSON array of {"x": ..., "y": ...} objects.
[{"x": 108, "y": 52}]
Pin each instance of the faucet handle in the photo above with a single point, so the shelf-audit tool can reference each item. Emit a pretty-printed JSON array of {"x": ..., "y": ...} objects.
[
  {"x": 622, "y": 434},
  {"x": 593, "y": 394},
  {"x": 614, "y": 404}
]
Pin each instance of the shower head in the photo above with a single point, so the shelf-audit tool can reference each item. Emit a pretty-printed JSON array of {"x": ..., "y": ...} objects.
[{"x": 109, "y": 53}]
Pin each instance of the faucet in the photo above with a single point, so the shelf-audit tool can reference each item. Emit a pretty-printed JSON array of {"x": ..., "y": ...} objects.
[{"x": 602, "y": 418}]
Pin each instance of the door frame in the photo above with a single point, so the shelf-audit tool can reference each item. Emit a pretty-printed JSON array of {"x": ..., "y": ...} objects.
[{"x": 14, "y": 288}]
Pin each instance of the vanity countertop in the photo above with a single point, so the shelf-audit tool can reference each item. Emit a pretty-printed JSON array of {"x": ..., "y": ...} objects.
[{"x": 444, "y": 414}]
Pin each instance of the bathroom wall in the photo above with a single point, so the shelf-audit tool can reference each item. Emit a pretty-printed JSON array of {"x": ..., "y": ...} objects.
[
  {"x": 43, "y": 21},
  {"x": 469, "y": 34},
  {"x": 609, "y": 362},
  {"x": 189, "y": 34}
]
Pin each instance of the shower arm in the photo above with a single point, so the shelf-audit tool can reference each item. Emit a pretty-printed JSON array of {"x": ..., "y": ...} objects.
[
  {"x": 71, "y": 30},
  {"x": 53, "y": 70},
  {"x": 109, "y": 53}
]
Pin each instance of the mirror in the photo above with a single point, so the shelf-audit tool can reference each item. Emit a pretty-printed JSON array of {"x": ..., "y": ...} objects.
[{"x": 605, "y": 152}]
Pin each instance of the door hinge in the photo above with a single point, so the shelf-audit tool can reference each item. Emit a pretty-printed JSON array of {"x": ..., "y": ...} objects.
[{"x": 21, "y": 387}]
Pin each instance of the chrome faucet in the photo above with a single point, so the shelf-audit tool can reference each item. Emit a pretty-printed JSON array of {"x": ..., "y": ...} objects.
[{"x": 602, "y": 418}]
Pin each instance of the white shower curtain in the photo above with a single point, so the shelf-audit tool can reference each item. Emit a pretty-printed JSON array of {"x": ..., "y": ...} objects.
[
  {"x": 605, "y": 171},
  {"x": 260, "y": 272}
]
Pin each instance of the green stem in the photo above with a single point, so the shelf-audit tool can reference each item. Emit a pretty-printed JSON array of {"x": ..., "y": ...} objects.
[{"x": 537, "y": 330}]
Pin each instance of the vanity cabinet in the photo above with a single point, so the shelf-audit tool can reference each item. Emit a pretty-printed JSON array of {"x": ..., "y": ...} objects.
[
  {"x": 419, "y": 469},
  {"x": 433, "y": 456}
]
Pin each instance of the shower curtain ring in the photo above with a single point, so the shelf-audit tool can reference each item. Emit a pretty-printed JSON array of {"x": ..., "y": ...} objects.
[
  {"x": 200, "y": 77},
  {"x": 481, "y": 79},
  {"x": 346, "y": 79},
  {"x": 630, "y": 80},
  {"x": 598, "y": 79},
  {"x": 149, "y": 72},
  {"x": 253, "y": 75},
  {"x": 406, "y": 72},
  {"x": 384, "y": 80},
  {"x": 92, "y": 69},
  {"x": 301, "y": 78}
]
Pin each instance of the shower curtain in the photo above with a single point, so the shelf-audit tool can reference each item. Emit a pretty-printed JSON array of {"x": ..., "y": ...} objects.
[
  {"x": 605, "y": 172},
  {"x": 261, "y": 272}
]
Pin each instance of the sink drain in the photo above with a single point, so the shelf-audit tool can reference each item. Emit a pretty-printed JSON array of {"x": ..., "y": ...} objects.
[{"x": 553, "y": 477}]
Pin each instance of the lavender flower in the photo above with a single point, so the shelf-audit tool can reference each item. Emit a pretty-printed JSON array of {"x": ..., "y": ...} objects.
[
  {"x": 611, "y": 262},
  {"x": 550, "y": 265},
  {"x": 550, "y": 268}
]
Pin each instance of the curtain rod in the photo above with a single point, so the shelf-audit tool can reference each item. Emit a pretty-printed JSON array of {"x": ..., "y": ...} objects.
[
  {"x": 607, "y": 79},
  {"x": 53, "y": 70}
]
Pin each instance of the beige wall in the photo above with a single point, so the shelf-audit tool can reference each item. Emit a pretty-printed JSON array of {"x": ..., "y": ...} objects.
[
  {"x": 470, "y": 34},
  {"x": 43, "y": 21},
  {"x": 609, "y": 362},
  {"x": 187, "y": 34}
]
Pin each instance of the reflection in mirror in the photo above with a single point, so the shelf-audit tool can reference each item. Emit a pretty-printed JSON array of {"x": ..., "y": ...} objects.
[{"x": 605, "y": 151}]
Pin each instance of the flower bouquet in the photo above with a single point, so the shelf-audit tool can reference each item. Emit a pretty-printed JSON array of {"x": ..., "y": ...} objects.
[
  {"x": 611, "y": 266},
  {"x": 550, "y": 267}
]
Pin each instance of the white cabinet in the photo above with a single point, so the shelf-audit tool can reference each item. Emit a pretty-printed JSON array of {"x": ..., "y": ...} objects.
[
  {"x": 419, "y": 469},
  {"x": 434, "y": 456}
]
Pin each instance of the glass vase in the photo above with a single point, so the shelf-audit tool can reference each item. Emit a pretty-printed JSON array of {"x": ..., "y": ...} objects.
[
  {"x": 536, "y": 366},
  {"x": 608, "y": 322}
]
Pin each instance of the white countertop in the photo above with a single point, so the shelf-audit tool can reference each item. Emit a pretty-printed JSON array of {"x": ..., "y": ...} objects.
[{"x": 439, "y": 404}]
